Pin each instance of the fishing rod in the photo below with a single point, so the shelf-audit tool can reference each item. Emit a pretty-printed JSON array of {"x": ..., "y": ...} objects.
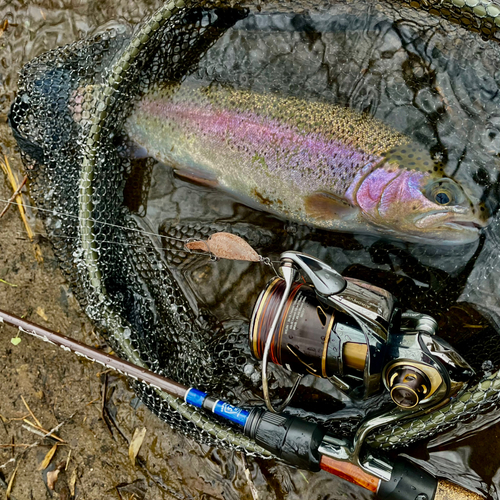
[{"x": 298, "y": 442}]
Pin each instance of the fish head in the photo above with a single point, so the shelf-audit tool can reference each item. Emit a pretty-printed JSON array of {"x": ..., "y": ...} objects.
[{"x": 420, "y": 204}]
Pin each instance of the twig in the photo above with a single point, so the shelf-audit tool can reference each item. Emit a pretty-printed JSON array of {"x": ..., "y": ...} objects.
[
  {"x": 11, "y": 460},
  {"x": 43, "y": 432},
  {"x": 103, "y": 404},
  {"x": 67, "y": 460},
  {"x": 31, "y": 413},
  {"x": 38, "y": 424},
  {"x": 7, "y": 283},
  {"x": 13, "y": 197},
  {"x": 5, "y": 165},
  {"x": 119, "y": 494},
  {"x": 11, "y": 482},
  {"x": 40, "y": 431},
  {"x": 14, "y": 419},
  {"x": 4, "y": 27},
  {"x": 248, "y": 475},
  {"x": 55, "y": 429},
  {"x": 33, "y": 430}
]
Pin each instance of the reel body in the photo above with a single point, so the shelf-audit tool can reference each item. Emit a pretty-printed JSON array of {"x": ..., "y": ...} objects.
[{"x": 353, "y": 334}]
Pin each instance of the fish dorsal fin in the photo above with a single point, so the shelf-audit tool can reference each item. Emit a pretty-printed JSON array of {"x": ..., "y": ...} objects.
[{"x": 326, "y": 206}]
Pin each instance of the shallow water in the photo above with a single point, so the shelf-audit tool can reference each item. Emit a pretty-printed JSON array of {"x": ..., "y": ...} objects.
[{"x": 436, "y": 87}]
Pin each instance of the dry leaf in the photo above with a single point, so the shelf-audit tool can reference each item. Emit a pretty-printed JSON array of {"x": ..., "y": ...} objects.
[
  {"x": 48, "y": 458},
  {"x": 41, "y": 313},
  {"x": 52, "y": 478},
  {"x": 136, "y": 443},
  {"x": 226, "y": 246}
]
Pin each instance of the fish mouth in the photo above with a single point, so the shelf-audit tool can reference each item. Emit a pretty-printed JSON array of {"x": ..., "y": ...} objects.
[
  {"x": 445, "y": 220},
  {"x": 465, "y": 224}
]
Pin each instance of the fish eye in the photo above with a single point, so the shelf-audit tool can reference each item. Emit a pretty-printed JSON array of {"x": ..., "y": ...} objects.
[
  {"x": 442, "y": 198},
  {"x": 445, "y": 192}
]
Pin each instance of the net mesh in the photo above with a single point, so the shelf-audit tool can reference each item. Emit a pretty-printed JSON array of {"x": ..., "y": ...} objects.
[{"x": 145, "y": 294}]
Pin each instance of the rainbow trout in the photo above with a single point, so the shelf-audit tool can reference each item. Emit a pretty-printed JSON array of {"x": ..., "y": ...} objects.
[{"x": 311, "y": 162}]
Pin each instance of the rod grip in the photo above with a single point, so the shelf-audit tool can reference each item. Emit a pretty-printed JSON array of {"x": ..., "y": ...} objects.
[
  {"x": 350, "y": 472},
  {"x": 290, "y": 438},
  {"x": 408, "y": 482},
  {"x": 450, "y": 491}
]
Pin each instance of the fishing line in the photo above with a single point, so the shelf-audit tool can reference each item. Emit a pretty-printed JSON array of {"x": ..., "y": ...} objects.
[
  {"x": 264, "y": 260},
  {"x": 109, "y": 224},
  {"x": 109, "y": 242}
]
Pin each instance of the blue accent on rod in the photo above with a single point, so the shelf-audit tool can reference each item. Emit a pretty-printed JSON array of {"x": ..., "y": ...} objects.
[
  {"x": 229, "y": 412},
  {"x": 232, "y": 413},
  {"x": 195, "y": 397}
]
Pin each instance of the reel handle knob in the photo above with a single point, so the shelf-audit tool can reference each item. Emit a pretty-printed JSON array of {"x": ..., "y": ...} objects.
[{"x": 408, "y": 385}]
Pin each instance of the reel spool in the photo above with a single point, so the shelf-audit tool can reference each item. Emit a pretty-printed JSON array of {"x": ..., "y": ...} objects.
[
  {"x": 353, "y": 334},
  {"x": 313, "y": 338}
]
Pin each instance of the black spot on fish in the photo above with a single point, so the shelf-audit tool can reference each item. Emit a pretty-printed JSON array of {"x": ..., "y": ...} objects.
[{"x": 411, "y": 155}]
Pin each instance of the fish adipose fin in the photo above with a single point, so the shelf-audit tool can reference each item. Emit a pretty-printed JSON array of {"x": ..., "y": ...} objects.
[{"x": 326, "y": 206}]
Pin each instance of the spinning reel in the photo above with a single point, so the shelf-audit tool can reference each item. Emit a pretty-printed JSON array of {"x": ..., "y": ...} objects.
[{"x": 353, "y": 334}]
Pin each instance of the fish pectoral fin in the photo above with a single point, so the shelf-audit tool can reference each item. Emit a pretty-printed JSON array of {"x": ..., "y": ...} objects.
[
  {"x": 327, "y": 206},
  {"x": 198, "y": 177}
]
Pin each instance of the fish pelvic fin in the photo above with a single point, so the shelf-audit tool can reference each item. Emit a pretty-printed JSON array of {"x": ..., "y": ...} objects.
[
  {"x": 198, "y": 177},
  {"x": 326, "y": 206}
]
